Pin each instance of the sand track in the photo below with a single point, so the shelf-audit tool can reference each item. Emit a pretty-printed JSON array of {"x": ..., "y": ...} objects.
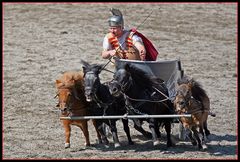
[{"x": 40, "y": 41}]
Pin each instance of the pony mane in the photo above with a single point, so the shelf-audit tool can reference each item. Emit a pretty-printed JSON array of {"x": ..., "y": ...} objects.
[
  {"x": 143, "y": 78},
  {"x": 197, "y": 91},
  {"x": 69, "y": 79},
  {"x": 96, "y": 68}
]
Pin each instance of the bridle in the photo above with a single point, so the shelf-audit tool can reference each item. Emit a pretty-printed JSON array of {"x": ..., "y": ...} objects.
[
  {"x": 186, "y": 100},
  {"x": 93, "y": 87},
  {"x": 69, "y": 101},
  {"x": 125, "y": 84}
]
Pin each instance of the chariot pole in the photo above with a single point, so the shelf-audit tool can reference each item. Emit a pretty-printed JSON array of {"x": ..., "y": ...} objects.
[{"x": 124, "y": 117}]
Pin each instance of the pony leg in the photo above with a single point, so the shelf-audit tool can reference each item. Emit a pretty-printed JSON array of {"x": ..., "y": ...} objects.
[
  {"x": 114, "y": 133},
  {"x": 99, "y": 125},
  {"x": 98, "y": 134},
  {"x": 139, "y": 128},
  {"x": 182, "y": 132},
  {"x": 201, "y": 127},
  {"x": 207, "y": 132},
  {"x": 196, "y": 135},
  {"x": 201, "y": 131},
  {"x": 67, "y": 128},
  {"x": 154, "y": 135},
  {"x": 168, "y": 130},
  {"x": 127, "y": 131},
  {"x": 204, "y": 125},
  {"x": 205, "y": 117},
  {"x": 206, "y": 109},
  {"x": 106, "y": 130},
  {"x": 193, "y": 140},
  {"x": 156, "y": 127},
  {"x": 202, "y": 138},
  {"x": 84, "y": 127}
]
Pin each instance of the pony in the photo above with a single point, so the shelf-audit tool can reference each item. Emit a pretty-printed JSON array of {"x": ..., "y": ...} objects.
[
  {"x": 103, "y": 102},
  {"x": 192, "y": 98},
  {"x": 144, "y": 94},
  {"x": 72, "y": 102}
]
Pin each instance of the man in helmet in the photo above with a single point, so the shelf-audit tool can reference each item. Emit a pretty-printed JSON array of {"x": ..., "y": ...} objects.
[{"x": 122, "y": 43}]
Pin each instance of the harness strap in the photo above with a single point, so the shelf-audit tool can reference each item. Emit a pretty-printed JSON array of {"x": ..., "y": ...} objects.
[{"x": 132, "y": 109}]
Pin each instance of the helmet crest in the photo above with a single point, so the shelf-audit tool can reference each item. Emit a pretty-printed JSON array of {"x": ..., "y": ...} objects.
[{"x": 116, "y": 19}]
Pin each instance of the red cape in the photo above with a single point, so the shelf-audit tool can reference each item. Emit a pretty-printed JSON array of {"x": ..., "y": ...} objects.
[{"x": 151, "y": 52}]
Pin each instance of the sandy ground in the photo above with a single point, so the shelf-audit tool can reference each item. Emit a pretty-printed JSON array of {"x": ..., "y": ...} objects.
[{"x": 40, "y": 41}]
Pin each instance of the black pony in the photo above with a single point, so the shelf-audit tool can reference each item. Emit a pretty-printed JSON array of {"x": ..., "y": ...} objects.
[
  {"x": 103, "y": 102},
  {"x": 144, "y": 94}
]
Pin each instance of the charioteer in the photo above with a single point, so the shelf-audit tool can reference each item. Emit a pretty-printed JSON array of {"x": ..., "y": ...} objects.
[{"x": 126, "y": 44}]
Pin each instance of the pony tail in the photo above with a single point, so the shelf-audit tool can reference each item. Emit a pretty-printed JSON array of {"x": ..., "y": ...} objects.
[{"x": 198, "y": 92}]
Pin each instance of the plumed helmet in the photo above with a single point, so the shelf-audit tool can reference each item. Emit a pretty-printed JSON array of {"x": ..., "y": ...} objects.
[{"x": 116, "y": 19}]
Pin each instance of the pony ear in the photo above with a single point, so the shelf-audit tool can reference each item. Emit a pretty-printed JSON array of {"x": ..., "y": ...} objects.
[
  {"x": 178, "y": 82},
  {"x": 191, "y": 82},
  {"x": 58, "y": 83},
  {"x": 127, "y": 67},
  {"x": 99, "y": 68},
  {"x": 85, "y": 65},
  {"x": 118, "y": 65},
  {"x": 84, "y": 70}
]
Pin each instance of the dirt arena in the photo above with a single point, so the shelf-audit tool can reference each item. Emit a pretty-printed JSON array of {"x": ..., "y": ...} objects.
[{"x": 40, "y": 41}]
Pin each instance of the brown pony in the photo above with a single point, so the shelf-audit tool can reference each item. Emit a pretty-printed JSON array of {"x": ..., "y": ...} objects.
[
  {"x": 72, "y": 102},
  {"x": 192, "y": 99}
]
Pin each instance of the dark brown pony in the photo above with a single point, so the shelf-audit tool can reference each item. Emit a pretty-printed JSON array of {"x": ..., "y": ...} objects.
[
  {"x": 191, "y": 98},
  {"x": 72, "y": 102}
]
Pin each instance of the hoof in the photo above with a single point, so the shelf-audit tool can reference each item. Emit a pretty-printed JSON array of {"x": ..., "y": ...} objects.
[
  {"x": 204, "y": 147},
  {"x": 87, "y": 144},
  {"x": 194, "y": 143},
  {"x": 172, "y": 141},
  {"x": 155, "y": 143},
  {"x": 106, "y": 146},
  {"x": 105, "y": 141},
  {"x": 99, "y": 141},
  {"x": 208, "y": 138},
  {"x": 147, "y": 135},
  {"x": 131, "y": 143},
  {"x": 116, "y": 145},
  {"x": 170, "y": 144},
  {"x": 67, "y": 145}
]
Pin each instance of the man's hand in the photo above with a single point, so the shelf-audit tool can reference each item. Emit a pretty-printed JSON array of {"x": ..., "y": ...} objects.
[
  {"x": 108, "y": 54},
  {"x": 112, "y": 53},
  {"x": 142, "y": 55},
  {"x": 141, "y": 49}
]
